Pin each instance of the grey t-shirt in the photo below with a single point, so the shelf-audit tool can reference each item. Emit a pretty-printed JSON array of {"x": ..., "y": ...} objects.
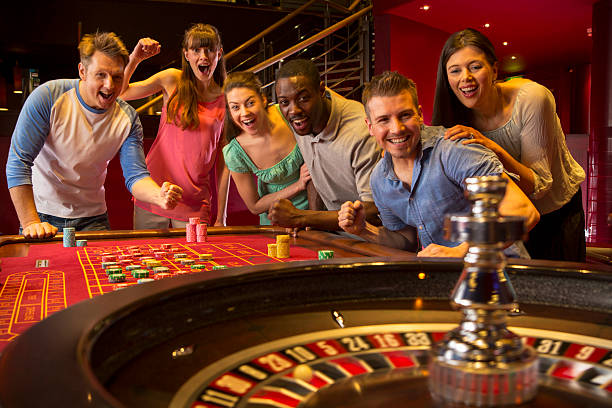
[{"x": 341, "y": 157}]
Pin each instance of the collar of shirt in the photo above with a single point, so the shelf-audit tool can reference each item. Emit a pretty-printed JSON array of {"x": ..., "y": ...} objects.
[
  {"x": 429, "y": 136},
  {"x": 331, "y": 129}
]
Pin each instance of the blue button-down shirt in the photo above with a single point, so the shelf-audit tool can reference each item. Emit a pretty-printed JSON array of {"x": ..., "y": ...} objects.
[{"x": 437, "y": 185}]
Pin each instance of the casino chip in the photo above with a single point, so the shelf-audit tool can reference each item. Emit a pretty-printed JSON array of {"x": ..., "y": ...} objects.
[
  {"x": 69, "y": 237},
  {"x": 116, "y": 277},
  {"x": 161, "y": 269},
  {"x": 326, "y": 254},
  {"x": 198, "y": 266},
  {"x": 113, "y": 270},
  {"x": 140, "y": 273}
]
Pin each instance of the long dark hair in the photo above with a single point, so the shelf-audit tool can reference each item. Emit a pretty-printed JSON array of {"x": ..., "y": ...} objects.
[
  {"x": 243, "y": 79},
  {"x": 186, "y": 94},
  {"x": 448, "y": 110}
]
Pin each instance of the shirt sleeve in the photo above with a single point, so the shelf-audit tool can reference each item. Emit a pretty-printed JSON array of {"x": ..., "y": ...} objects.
[
  {"x": 233, "y": 158},
  {"x": 540, "y": 127},
  {"x": 131, "y": 155},
  {"x": 364, "y": 159},
  {"x": 29, "y": 136},
  {"x": 462, "y": 161}
]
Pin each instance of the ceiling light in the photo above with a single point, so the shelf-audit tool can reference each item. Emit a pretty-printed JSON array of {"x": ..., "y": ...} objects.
[
  {"x": 424, "y": 7},
  {"x": 3, "y": 109},
  {"x": 487, "y": 25},
  {"x": 505, "y": 43},
  {"x": 590, "y": 32},
  {"x": 513, "y": 57}
]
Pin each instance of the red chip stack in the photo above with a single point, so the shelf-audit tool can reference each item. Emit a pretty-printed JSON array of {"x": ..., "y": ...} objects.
[
  {"x": 202, "y": 232},
  {"x": 195, "y": 231},
  {"x": 190, "y": 231}
]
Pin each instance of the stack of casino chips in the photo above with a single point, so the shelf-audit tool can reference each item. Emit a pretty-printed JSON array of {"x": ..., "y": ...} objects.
[
  {"x": 196, "y": 231},
  {"x": 201, "y": 232},
  {"x": 69, "y": 237},
  {"x": 282, "y": 246}
]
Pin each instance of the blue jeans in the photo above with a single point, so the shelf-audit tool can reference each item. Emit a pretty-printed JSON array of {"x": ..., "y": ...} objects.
[{"x": 95, "y": 223}]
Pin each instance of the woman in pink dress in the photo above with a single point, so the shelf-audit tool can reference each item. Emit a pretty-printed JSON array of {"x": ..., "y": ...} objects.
[{"x": 189, "y": 140}]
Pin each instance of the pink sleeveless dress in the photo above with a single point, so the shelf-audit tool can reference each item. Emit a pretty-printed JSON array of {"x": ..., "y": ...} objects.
[{"x": 186, "y": 158}]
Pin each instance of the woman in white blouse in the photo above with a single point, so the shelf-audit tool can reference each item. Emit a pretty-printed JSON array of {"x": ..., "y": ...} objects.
[{"x": 516, "y": 119}]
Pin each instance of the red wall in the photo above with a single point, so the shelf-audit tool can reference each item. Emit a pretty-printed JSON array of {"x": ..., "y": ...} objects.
[{"x": 412, "y": 49}]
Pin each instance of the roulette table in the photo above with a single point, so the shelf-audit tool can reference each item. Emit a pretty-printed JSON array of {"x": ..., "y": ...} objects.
[
  {"x": 345, "y": 332},
  {"x": 41, "y": 278}
]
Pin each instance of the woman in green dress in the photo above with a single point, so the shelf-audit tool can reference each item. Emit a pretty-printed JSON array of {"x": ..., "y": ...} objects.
[{"x": 261, "y": 143}]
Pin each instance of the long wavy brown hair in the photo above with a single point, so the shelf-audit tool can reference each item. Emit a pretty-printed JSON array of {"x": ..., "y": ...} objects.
[{"x": 184, "y": 100}]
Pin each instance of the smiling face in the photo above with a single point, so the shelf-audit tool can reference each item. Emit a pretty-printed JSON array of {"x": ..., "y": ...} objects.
[
  {"x": 471, "y": 76},
  {"x": 303, "y": 104},
  {"x": 247, "y": 109},
  {"x": 101, "y": 80},
  {"x": 395, "y": 122},
  {"x": 203, "y": 62}
]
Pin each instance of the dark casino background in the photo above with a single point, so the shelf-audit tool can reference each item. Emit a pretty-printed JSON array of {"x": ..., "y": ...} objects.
[
  {"x": 551, "y": 42},
  {"x": 362, "y": 330}
]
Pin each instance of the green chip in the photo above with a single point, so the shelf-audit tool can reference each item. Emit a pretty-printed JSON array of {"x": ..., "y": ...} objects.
[
  {"x": 198, "y": 266},
  {"x": 116, "y": 277},
  {"x": 133, "y": 267},
  {"x": 140, "y": 273},
  {"x": 110, "y": 271},
  {"x": 326, "y": 254},
  {"x": 219, "y": 267}
]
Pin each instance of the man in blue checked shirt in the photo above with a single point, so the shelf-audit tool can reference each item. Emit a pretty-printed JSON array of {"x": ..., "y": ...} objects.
[{"x": 420, "y": 178}]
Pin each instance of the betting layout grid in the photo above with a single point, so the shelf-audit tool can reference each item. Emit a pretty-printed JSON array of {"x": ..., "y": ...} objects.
[
  {"x": 112, "y": 267},
  {"x": 288, "y": 375}
]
